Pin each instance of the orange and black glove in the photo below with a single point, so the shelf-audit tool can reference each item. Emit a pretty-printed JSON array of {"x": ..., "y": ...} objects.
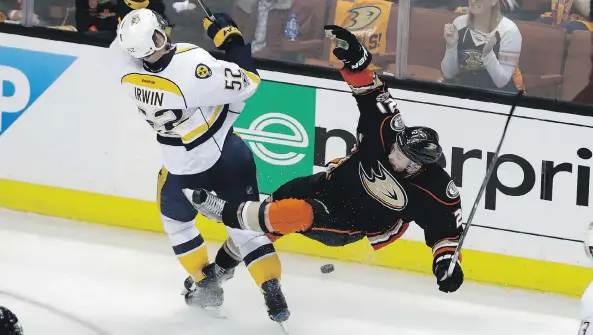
[{"x": 223, "y": 31}]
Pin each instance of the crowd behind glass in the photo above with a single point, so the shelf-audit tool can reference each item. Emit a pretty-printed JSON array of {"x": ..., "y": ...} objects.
[{"x": 541, "y": 46}]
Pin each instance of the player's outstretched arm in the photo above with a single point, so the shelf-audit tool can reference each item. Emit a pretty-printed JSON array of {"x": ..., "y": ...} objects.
[
  {"x": 356, "y": 59},
  {"x": 227, "y": 37},
  {"x": 368, "y": 90},
  {"x": 375, "y": 103}
]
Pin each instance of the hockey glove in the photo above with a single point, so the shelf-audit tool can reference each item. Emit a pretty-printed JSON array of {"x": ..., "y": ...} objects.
[
  {"x": 348, "y": 49},
  {"x": 440, "y": 266},
  {"x": 223, "y": 31}
]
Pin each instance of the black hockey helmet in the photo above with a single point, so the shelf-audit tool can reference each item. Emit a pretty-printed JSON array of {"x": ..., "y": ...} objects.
[{"x": 419, "y": 144}]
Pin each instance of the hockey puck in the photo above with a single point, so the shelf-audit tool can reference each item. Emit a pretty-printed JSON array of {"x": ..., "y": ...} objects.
[{"x": 327, "y": 268}]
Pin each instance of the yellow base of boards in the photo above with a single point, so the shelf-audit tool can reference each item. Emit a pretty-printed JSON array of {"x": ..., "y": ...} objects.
[{"x": 406, "y": 255}]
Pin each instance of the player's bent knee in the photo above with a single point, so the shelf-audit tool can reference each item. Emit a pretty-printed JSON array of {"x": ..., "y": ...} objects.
[
  {"x": 173, "y": 226},
  {"x": 289, "y": 216}
]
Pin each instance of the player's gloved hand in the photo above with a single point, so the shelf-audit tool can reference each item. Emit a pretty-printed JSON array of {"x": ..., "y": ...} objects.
[
  {"x": 223, "y": 31},
  {"x": 440, "y": 266},
  {"x": 348, "y": 49}
]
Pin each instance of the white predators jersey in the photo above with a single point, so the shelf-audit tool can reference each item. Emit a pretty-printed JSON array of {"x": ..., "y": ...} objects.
[{"x": 192, "y": 104}]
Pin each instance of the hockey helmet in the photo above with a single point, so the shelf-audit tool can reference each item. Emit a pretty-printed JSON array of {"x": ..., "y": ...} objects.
[
  {"x": 588, "y": 242},
  {"x": 419, "y": 144},
  {"x": 136, "y": 32}
]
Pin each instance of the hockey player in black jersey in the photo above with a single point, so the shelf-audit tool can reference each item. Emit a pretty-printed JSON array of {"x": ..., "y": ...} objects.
[{"x": 389, "y": 180}]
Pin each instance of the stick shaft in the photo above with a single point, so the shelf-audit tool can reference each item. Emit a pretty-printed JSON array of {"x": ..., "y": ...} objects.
[
  {"x": 483, "y": 187},
  {"x": 206, "y": 10}
]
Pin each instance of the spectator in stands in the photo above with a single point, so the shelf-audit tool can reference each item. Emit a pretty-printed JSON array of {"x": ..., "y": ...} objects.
[
  {"x": 570, "y": 14},
  {"x": 101, "y": 17},
  {"x": 482, "y": 48},
  {"x": 4, "y": 9},
  {"x": 586, "y": 95},
  {"x": 263, "y": 23},
  {"x": 14, "y": 12},
  {"x": 185, "y": 21},
  {"x": 512, "y": 9},
  {"x": 96, "y": 15}
]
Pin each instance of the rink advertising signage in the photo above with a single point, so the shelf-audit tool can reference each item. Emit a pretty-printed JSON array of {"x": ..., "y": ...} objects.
[
  {"x": 542, "y": 174},
  {"x": 294, "y": 131},
  {"x": 24, "y": 77},
  {"x": 457, "y": 157},
  {"x": 278, "y": 125}
]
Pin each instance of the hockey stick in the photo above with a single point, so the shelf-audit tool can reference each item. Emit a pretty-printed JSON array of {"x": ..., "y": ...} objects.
[
  {"x": 206, "y": 10},
  {"x": 186, "y": 5},
  {"x": 455, "y": 257}
]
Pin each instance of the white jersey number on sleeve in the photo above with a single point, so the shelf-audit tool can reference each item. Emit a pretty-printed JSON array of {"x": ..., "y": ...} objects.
[
  {"x": 236, "y": 80},
  {"x": 219, "y": 82}
]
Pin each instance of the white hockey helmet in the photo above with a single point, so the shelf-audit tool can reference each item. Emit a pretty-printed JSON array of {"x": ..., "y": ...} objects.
[
  {"x": 136, "y": 32},
  {"x": 588, "y": 242}
]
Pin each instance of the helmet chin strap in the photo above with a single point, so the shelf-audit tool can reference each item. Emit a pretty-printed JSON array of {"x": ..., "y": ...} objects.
[{"x": 166, "y": 47}]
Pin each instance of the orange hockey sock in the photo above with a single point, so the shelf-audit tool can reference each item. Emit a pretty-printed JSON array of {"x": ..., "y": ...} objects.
[{"x": 289, "y": 216}]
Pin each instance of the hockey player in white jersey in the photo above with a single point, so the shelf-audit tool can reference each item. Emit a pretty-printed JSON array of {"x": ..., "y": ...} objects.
[
  {"x": 192, "y": 100},
  {"x": 587, "y": 298}
]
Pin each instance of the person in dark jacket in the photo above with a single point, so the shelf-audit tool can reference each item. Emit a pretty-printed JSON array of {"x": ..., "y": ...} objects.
[
  {"x": 96, "y": 15},
  {"x": 586, "y": 95}
]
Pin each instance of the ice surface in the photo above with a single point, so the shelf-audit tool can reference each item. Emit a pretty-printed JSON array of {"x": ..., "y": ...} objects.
[{"x": 64, "y": 277}]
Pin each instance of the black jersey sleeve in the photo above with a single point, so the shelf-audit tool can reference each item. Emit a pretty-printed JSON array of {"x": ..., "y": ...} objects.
[
  {"x": 439, "y": 209},
  {"x": 376, "y": 105}
]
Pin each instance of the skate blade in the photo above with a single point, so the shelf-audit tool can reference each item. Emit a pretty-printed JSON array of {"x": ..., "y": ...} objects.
[
  {"x": 215, "y": 312},
  {"x": 284, "y": 327},
  {"x": 281, "y": 318}
]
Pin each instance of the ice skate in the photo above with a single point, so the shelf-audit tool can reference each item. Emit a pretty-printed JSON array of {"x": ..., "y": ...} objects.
[
  {"x": 223, "y": 276},
  {"x": 206, "y": 294},
  {"x": 206, "y": 203},
  {"x": 276, "y": 303}
]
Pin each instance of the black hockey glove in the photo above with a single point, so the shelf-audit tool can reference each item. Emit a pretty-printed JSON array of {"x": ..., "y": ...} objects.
[
  {"x": 223, "y": 31},
  {"x": 440, "y": 266},
  {"x": 348, "y": 49}
]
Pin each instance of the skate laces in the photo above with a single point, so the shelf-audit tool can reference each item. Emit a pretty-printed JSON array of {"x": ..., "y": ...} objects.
[{"x": 214, "y": 204}]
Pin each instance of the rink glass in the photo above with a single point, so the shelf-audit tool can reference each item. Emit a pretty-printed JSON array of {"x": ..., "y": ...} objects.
[{"x": 405, "y": 37}]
